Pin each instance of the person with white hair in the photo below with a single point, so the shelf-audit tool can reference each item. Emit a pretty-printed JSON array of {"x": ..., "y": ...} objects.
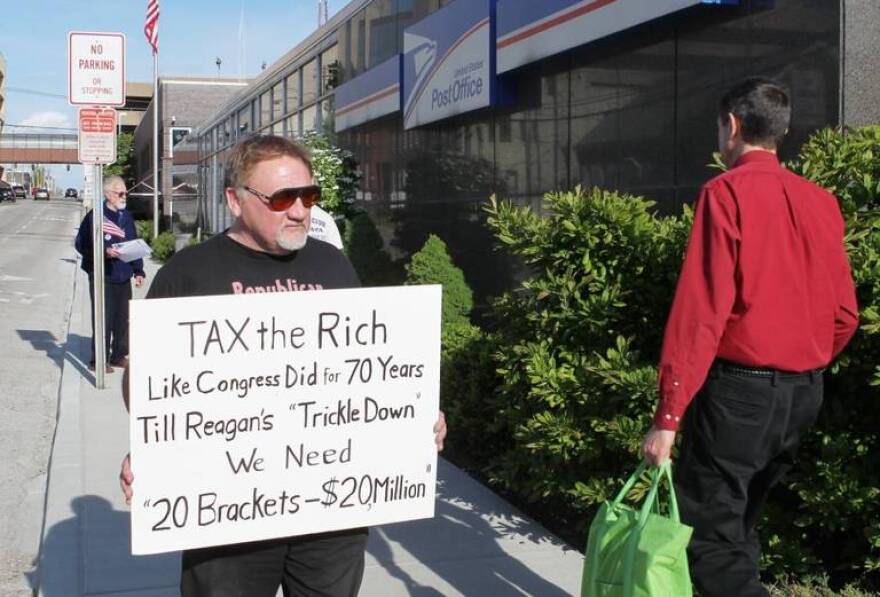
[{"x": 118, "y": 226}]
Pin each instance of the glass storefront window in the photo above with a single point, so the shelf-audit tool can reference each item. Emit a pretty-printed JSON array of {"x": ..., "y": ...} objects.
[
  {"x": 293, "y": 126},
  {"x": 326, "y": 108},
  {"x": 356, "y": 57},
  {"x": 621, "y": 125},
  {"x": 244, "y": 120},
  {"x": 310, "y": 82},
  {"x": 533, "y": 140},
  {"x": 381, "y": 29},
  {"x": 330, "y": 70},
  {"x": 292, "y": 86},
  {"x": 278, "y": 100},
  {"x": 419, "y": 9},
  {"x": 308, "y": 118},
  {"x": 265, "y": 110}
]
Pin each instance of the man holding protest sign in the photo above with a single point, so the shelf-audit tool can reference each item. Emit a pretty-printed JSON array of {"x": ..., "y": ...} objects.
[{"x": 270, "y": 191}]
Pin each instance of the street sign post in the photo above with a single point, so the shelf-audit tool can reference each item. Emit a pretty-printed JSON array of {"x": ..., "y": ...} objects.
[
  {"x": 96, "y": 78},
  {"x": 97, "y": 135},
  {"x": 96, "y": 68},
  {"x": 96, "y": 147}
]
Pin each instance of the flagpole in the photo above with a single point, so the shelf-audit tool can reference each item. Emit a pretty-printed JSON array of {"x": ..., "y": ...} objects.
[{"x": 155, "y": 142}]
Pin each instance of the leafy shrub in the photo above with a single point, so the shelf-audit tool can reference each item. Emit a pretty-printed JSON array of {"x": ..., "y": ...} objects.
[
  {"x": 579, "y": 342},
  {"x": 573, "y": 380},
  {"x": 144, "y": 230},
  {"x": 364, "y": 246},
  {"x": 433, "y": 265},
  {"x": 164, "y": 247},
  {"x": 828, "y": 518},
  {"x": 468, "y": 381},
  {"x": 467, "y": 371},
  {"x": 811, "y": 587},
  {"x": 335, "y": 171}
]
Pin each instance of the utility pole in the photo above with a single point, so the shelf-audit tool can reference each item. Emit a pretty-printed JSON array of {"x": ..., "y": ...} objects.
[
  {"x": 322, "y": 13},
  {"x": 218, "y": 62}
]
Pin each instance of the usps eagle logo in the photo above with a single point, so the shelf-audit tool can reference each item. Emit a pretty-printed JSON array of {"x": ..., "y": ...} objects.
[{"x": 424, "y": 55}]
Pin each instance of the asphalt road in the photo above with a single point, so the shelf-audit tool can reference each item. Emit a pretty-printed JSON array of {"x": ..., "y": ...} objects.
[{"x": 37, "y": 273}]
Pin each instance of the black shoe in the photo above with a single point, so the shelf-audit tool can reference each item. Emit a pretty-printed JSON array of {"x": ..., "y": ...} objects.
[{"x": 121, "y": 362}]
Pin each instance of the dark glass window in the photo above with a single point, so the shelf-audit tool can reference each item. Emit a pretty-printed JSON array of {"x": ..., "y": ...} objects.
[
  {"x": 794, "y": 41},
  {"x": 244, "y": 119},
  {"x": 357, "y": 49},
  {"x": 265, "y": 109},
  {"x": 310, "y": 81},
  {"x": 278, "y": 100},
  {"x": 345, "y": 52},
  {"x": 622, "y": 106},
  {"x": 381, "y": 28},
  {"x": 309, "y": 118},
  {"x": 533, "y": 138},
  {"x": 330, "y": 69},
  {"x": 293, "y": 126},
  {"x": 292, "y": 90},
  {"x": 327, "y": 116},
  {"x": 635, "y": 112}
]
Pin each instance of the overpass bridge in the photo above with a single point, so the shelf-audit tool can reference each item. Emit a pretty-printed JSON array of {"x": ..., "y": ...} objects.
[{"x": 38, "y": 148}]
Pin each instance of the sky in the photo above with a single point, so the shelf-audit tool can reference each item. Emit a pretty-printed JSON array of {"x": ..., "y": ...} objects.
[{"x": 192, "y": 35}]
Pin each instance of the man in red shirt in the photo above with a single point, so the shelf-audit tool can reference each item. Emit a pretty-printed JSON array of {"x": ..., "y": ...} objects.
[{"x": 764, "y": 302}]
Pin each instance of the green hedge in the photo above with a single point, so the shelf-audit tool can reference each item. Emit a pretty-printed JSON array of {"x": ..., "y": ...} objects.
[
  {"x": 552, "y": 406},
  {"x": 144, "y": 230},
  {"x": 164, "y": 246},
  {"x": 432, "y": 265}
]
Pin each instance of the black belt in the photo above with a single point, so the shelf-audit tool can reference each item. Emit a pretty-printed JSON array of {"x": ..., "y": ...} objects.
[{"x": 737, "y": 369}]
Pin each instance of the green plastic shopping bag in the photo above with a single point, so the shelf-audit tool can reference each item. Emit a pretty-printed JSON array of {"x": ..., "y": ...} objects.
[{"x": 638, "y": 553}]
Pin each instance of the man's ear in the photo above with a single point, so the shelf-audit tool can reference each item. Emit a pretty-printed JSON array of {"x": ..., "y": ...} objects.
[
  {"x": 233, "y": 201},
  {"x": 733, "y": 125}
]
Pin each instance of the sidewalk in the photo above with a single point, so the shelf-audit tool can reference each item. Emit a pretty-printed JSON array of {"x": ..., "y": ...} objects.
[{"x": 476, "y": 545}]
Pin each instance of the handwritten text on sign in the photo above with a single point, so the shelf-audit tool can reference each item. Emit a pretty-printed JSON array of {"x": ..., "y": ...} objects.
[{"x": 271, "y": 415}]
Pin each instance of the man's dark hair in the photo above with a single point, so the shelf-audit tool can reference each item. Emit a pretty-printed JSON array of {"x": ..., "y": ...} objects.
[
  {"x": 249, "y": 152},
  {"x": 763, "y": 109}
]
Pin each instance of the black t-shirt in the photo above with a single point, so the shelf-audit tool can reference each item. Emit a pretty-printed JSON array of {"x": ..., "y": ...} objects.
[{"x": 221, "y": 265}]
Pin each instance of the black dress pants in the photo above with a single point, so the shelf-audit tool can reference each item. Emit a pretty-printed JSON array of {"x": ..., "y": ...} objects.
[
  {"x": 116, "y": 298},
  {"x": 320, "y": 565},
  {"x": 739, "y": 437}
]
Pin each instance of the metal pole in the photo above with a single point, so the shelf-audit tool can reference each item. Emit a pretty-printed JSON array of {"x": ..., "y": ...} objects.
[
  {"x": 155, "y": 144},
  {"x": 98, "y": 274}
]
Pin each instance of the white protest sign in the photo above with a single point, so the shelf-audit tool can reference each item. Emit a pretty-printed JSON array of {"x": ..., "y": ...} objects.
[
  {"x": 96, "y": 68},
  {"x": 270, "y": 415},
  {"x": 323, "y": 227}
]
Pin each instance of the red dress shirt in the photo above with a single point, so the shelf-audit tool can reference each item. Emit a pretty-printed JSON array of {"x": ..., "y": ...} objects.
[{"x": 765, "y": 282}]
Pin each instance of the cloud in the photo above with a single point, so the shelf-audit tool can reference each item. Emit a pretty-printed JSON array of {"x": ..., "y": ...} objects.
[{"x": 48, "y": 119}]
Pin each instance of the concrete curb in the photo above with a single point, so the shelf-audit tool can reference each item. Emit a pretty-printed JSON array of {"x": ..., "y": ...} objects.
[{"x": 59, "y": 564}]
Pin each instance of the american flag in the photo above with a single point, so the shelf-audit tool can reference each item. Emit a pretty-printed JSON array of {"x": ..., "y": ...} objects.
[
  {"x": 112, "y": 229},
  {"x": 151, "y": 25}
]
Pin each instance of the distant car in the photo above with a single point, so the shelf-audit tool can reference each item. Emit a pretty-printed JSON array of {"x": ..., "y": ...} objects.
[
  {"x": 7, "y": 194},
  {"x": 71, "y": 192},
  {"x": 19, "y": 191},
  {"x": 41, "y": 194}
]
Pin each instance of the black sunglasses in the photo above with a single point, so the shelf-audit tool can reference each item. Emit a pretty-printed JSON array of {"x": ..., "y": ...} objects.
[{"x": 283, "y": 199}]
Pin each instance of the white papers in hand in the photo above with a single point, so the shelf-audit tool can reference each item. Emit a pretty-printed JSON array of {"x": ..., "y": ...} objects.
[{"x": 132, "y": 250}]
